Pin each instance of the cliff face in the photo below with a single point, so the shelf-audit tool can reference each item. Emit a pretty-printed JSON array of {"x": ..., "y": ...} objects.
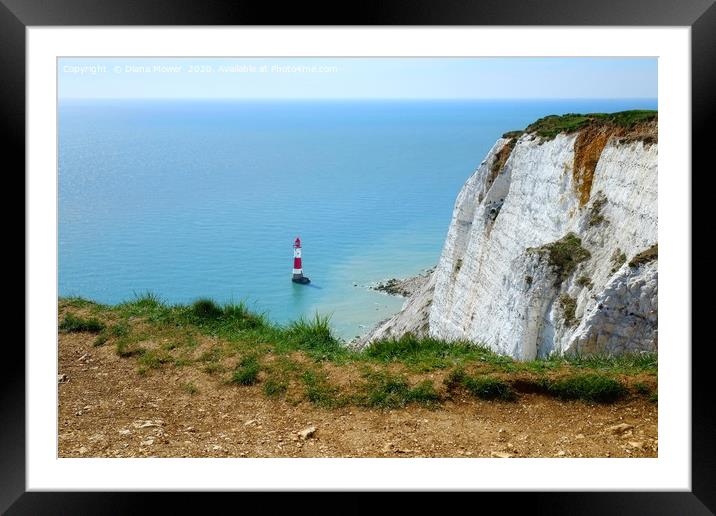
[{"x": 551, "y": 248}]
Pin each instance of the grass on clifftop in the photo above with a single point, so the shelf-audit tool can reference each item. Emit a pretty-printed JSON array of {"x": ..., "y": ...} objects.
[
  {"x": 550, "y": 126},
  {"x": 304, "y": 361}
]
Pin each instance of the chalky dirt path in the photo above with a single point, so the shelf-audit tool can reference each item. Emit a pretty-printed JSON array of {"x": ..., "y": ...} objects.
[{"x": 106, "y": 409}]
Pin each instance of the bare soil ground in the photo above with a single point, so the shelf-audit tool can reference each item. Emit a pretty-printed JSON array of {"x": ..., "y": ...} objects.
[{"x": 107, "y": 409}]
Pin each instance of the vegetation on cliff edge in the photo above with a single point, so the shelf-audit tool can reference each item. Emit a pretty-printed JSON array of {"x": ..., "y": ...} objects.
[{"x": 304, "y": 361}]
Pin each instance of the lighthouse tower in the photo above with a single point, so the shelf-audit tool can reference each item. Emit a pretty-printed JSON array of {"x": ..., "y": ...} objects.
[{"x": 298, "y": 276}]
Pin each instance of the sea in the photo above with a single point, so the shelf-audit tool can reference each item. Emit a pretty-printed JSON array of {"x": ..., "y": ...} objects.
[{"x": 192, "y": 199}]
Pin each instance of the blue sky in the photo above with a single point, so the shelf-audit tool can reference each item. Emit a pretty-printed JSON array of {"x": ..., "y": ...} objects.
[{"x": 357, "y": 78}]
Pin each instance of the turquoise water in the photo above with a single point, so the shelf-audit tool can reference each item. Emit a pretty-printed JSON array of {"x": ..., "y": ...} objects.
[{"x": 204, "y": 198}]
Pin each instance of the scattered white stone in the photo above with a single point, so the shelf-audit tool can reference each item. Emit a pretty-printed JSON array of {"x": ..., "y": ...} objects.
[
  {"x": 500, "y": 455},
  {"x": 147, "y": 424},
  {"x": 147, "y": 442},
  {"x": 620, "y": 428},
  {"x": 62, "y": 378},
  {"x": 307, "y": 433},
  {"x": 125, "y": 431},
  {"x": 82, "y": 450}
]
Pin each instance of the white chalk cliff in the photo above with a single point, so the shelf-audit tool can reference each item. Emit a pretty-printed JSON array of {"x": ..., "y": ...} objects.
[{"x": 551, "y": 249}]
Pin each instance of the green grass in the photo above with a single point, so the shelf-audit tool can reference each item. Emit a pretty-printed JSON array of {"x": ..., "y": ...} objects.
[
  {"x": 320, "y": 391},
  {"x": 389, "y": 391},
  {"x": 315, "y": 337},
  {"x": 77, "y": 302},
  {"x": 247, "y": 372},
  {"x": 564, "y": 255},
  {"x": 483, "y": 387},
  {"x": 587, "y": 387},
  {"x": 128, "y": 346},
  {"x": 74, "y": 324},
  {"x": 428, "y": 353},
  {"x": 233, "y": 331},
  {"x": 151, "y": 359},
  {"x": 275, "y": 387},
  {"x": 626, "y": 363},
  {"x": 642, "y": 388},
  {"x": 550, "y": 126}
]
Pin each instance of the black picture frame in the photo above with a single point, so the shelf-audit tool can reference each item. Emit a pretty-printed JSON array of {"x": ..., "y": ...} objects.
[{"x": 700, "y": 15}]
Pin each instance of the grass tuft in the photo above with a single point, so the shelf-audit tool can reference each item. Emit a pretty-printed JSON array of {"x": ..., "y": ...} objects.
[
  {"x": 247, "y": 372},
  {"x": 587, "y": 387},
  {"x": 73, "y": 324},
  {"x": 315, "y": 337},
  {"x": 483, "y": 387},
  {"x": 320, "y": 391},
  {"x": 275, "y": 387},
  {"x": 387, "y": 391},
  {"x": 206, "y": 309}
]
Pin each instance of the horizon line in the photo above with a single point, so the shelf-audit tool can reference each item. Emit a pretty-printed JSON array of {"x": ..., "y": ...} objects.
[{"x": 309, "y": 99}]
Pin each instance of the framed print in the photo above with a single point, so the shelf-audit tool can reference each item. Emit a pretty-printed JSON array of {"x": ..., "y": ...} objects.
[{"x": 420, "y": 249}]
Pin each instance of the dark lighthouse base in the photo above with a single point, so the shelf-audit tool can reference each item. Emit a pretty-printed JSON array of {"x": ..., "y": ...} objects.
[{"x": 303, "y": 280}]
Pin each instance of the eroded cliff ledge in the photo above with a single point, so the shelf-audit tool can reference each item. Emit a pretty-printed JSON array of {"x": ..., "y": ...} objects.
[{"x": 552, "y": 247}]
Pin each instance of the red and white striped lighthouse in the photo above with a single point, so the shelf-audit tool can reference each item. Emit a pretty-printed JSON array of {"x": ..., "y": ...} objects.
[{"x": 298, "y": 276}]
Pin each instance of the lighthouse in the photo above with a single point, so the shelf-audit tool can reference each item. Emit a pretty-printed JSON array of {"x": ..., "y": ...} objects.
[{"x": 298, "y": 276}]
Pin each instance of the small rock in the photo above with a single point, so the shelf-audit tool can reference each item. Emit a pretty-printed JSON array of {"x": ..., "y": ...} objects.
[
  {"x": 62, "y": 378},
  {"x": 125, "y": 431},
  {"x": 307, "y": 433},
  {"x": 579, "y": 436},
  {"x": 636, "y": 444},
  {"x": 83, "y": 357},
  {"x": 82, "y": 450},
  {"x": 144, "y": 424},
  {"x": 560, "y": 453},
  {"x": 500, "y": 455},
  {"x": 620, "y": 428},
  {"x": 250, "y": 422},
  {"x": 148, "y": 442}
]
